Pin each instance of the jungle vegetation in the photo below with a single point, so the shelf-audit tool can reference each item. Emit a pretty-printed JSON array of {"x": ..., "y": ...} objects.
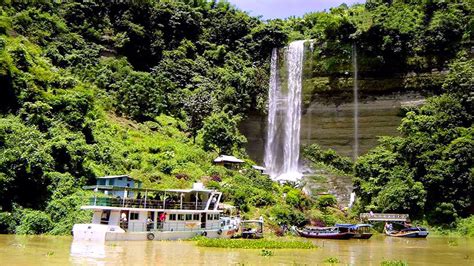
[{"x": 156, "y": 89}]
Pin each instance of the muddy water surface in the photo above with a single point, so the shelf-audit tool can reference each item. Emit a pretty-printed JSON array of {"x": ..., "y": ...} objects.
[{"x": 49, "y": 250}]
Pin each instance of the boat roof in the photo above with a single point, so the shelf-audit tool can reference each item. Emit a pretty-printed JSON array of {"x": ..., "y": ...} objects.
[
  {"x": 258, "y": 167},
  {"x": 228, "y": 158},
  {"x": 116, "y": 176},
  {"x": 179, "y": 211},
  {"x": 353, "y": 226},
  {"x": 320, "y": 228},
  {"x": 121, "y": 188},
  {"x": 251, "y": 221}
]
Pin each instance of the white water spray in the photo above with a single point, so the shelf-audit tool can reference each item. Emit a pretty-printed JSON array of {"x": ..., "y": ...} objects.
[
  {"x": 284, "y": 115},
  {"x": 356, "y": 103}
]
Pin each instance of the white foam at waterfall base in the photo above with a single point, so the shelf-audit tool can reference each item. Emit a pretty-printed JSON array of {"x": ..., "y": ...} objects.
[
  {"x": 289, "y": 176},
  {"x": 284, "y": 116}
]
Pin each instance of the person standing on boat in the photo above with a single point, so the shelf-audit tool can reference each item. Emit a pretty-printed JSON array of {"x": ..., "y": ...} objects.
[
  {"x": 123, "y": 220},
  {"x": 388, "y": 227},
  {"x": 162, "y": 219},
  {"x": 149, "y": 223}
]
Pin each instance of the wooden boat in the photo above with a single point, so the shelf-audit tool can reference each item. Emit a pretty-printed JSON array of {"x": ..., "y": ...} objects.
[
  {"x": 323, "y": 233},
  {"x": 252, "y": 229},
  {"x": 359, "y": 231},
  {"x": 413, "y": 232}
]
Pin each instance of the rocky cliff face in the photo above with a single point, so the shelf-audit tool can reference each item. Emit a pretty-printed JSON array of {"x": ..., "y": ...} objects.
[
  {"x": 328, "y": 108},
  {"x": 328, "y": 119}
]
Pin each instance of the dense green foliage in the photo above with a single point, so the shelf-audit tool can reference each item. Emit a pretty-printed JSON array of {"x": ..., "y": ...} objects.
[
  {"x": 428, "y": 170},
  {"x": 156, "y": 89},
  {"x": 391, "y": 36},
  {"x": 399, "y": 45},
  {"x": 466, "y": 226},
  {"x": 329, "y": 157}
]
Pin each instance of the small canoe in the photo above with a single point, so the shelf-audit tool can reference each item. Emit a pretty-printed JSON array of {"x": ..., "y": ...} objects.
[
  {"x": 324, "y": 233},
  {"x": 412, "y": 232}
]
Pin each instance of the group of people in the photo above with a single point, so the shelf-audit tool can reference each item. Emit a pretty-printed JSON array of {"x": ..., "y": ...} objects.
[
  {"x": 149, "y": 221},
  {"x": 389, "y": 226}
]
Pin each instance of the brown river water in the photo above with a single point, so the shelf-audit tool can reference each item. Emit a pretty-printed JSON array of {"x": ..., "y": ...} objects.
[{"x": 52, "y": 250}]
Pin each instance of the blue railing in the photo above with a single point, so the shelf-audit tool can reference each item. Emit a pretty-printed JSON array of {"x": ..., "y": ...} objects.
[{"x": 146, "y": 204}]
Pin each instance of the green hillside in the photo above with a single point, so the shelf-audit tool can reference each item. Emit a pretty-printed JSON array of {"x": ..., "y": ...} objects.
[{"x": 156, "y": 89}]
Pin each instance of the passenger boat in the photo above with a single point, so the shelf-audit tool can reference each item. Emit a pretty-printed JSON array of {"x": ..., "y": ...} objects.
[
  {"x": 413, "y": 232},
  {"x": 323, "y": 233},
  {"x": 251, "y": 229},
  {"x": 359, "y": 231},
  {"x": 125, "y": 211}
]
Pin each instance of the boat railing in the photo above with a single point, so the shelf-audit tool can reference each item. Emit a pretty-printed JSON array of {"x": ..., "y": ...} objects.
[
  {"x": 383, "y": 217},
  {"x": 145, "y": 204},
  {"x": 144, "y": 226}
]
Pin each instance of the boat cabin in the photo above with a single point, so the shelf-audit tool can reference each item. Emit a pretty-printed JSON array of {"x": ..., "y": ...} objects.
[
  {"x": 252, "y": 228},
  {"x": 136, "y": 209},
  {"x": 118, "y": 181}
]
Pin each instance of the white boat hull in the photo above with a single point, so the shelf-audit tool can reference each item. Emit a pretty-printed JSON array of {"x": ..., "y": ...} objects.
[{"x": 101, "y": 233}]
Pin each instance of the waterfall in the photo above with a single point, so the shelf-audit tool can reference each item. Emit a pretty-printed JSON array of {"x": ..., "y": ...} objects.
[
  {"x": 272, "y": 128},
  {"x": 356, "y": 103},
  {"x": 282, "y": 149}
]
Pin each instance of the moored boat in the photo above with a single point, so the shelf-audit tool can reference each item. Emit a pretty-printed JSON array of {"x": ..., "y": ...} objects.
[
  {"x": 323, "y": 233},
  {"x": 252, "y": 229},
  {"x": 359, "y": 231},
  {"x": 412, "y": 232},
  {"x": 125, "y": 211}
]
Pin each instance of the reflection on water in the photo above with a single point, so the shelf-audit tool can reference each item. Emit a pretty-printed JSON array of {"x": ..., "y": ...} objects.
[
  {"x": 42, "y": 250},
  {"x": 86, "y": 252}
]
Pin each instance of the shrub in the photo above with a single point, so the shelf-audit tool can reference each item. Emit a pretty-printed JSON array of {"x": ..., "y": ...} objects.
[
  {"x": 324, "y": 201},
  {"x": 393, "y": 263},
  {"x": 284, "y": 214},
  {"x": 315, "y": 154},
  {"x": 319, "y": 218},
  {"x": 7, "y": 223},
  {"x": 466, "y": 226},
  {"x": 34, "y": 222}
]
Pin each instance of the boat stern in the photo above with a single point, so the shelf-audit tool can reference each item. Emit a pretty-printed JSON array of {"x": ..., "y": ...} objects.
[{"x": 94, "y": 232}]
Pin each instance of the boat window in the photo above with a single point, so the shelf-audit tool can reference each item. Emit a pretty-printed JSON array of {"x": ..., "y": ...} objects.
[
  {"x": 180, "y": 217},
  {"x": 101, "y": 182},
  {"x": 196, "y": 217},
  {"x": 134, "y": 216},
  {"x": 172, "y": 217},
  {"x": 111, "y": 182},
  {"x": 104, "y": 219},
  {"x": 189, "y": 217},
  {"x": 216, "y": 216},
  {"x": 209, "y": 217}
]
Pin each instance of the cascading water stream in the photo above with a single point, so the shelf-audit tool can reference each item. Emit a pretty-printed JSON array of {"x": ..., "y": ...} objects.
[
  {"x": 356, "y": 103},
  {"x": 269, "y": 158},
  {"x": 284, "y": 115}
]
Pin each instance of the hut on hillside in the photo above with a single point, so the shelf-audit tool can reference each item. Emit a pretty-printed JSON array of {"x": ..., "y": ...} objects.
[{"x": 229, "y": 162}]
